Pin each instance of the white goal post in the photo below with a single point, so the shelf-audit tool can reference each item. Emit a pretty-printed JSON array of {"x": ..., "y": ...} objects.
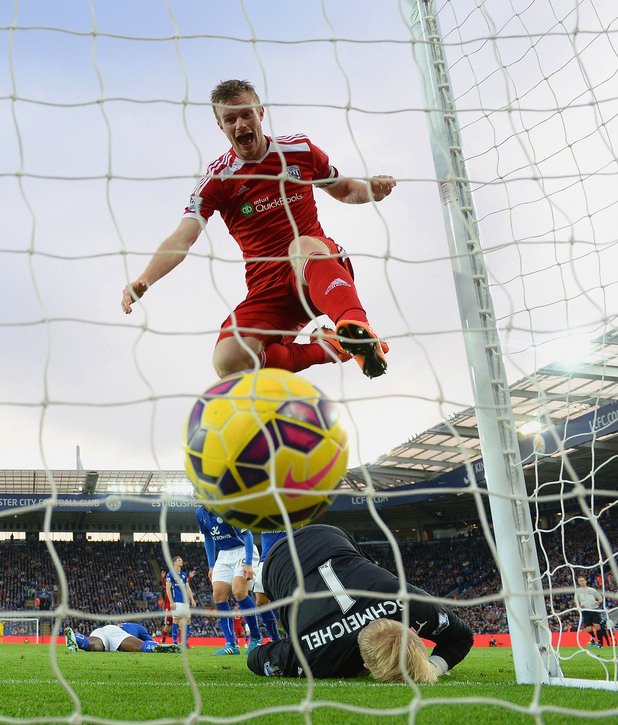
[{"x": 515, "y": 550}]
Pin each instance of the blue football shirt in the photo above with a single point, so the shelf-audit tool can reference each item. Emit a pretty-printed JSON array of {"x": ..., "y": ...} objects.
[{"x": 176, "y": 588}]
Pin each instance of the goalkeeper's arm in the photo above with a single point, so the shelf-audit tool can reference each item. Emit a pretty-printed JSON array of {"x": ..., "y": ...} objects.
[
  {"x": 168, "y": 256},
  {"x": 275, "y": 659},
  {"x": 452, "y": 644}
]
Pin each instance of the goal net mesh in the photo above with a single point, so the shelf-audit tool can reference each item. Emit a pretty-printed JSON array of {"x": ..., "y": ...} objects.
[
  {"x": 107, "y": 125},
  {"x": 26, "y": 628}
]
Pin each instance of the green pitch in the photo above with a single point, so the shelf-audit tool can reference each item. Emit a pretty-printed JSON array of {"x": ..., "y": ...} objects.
[{"x": 123, "y": 686}]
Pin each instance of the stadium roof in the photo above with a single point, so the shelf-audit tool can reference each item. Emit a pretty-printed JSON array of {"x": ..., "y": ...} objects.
[
  {"x": 87, "y": 483},
  {"x": 553, "y": 396}
]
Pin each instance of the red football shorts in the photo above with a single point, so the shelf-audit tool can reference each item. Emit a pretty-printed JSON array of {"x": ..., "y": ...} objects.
[{"x": 269, "y": 314}]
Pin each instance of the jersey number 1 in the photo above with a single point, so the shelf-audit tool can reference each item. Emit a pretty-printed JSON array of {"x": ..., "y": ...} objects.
[{"x": 333, "y": 582}]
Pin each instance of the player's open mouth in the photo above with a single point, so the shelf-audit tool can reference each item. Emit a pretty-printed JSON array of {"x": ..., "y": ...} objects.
[{"x": 245, "y": 139}]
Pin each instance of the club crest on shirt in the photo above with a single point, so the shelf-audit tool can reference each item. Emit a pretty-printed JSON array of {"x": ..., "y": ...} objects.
[
  {"x": 294, "y": 171},
  {"x": 194, "y": 203},
  {"x": 442, "y": 623},
  {"x": 272, "y": 670}
]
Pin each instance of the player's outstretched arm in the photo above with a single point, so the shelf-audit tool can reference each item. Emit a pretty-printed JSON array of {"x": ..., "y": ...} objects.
[
  {"x": 353, "y": 191},
  {"x": 169, "y": 255}
]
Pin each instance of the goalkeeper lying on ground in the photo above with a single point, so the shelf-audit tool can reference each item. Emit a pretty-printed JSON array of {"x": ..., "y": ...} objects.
[
  {"x": 128, "y": 637},
  {"x": 341, "y": 635}
]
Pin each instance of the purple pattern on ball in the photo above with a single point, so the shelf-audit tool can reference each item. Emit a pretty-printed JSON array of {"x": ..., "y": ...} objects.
[
  {"x": 329, "y": 413},
  {"x": 298, "y": 437},
  {"x": 251, "y": 476},
  {"x": 195, "y": 418},
  {"x": 299, "y": 410},
  {"x": 258, "y": 450},
  {"x": 196, "y": 441},
  {"x": 221, "y": 388},
  {"x": 246, "y": 519},
  {"x": 228, "y": 484},
  {"x": 275, "y": 521},
  {"x": 196, "y": 462}
]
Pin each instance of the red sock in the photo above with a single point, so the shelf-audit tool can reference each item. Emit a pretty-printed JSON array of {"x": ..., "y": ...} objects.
[
  {"x": 163, "y": 636},
  {"x": 293, "y": 357},
  {"x": 332, "y": 290}
]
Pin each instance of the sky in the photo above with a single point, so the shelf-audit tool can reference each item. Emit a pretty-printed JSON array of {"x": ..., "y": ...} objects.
[{"x": 106, "y": 127}]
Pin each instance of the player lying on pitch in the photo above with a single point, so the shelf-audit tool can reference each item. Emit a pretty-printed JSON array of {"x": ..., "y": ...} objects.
[
  {"x": 128, "y": 637},
  {"x": 342, "y": 635}
]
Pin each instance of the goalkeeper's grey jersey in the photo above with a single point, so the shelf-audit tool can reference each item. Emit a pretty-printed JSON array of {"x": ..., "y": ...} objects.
[{"x": 587, "y": 598}]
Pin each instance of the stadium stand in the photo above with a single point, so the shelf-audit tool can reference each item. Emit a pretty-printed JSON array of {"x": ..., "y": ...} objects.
[{"x": 116, "y": 578}]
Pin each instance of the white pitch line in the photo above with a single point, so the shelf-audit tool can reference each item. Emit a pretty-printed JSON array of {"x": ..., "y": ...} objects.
[{"x": 262, "y": 683}]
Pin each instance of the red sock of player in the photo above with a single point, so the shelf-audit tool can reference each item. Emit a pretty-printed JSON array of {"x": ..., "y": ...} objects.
[
  {"x": 332, "y": 290},
  {"x": 293, "y": 357},
  {"x": 163, "y": 635}
]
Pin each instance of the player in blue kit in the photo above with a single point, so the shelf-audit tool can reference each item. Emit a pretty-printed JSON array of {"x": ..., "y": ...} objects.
[
  {"x": 232, "y": 557},
  {"x": 268, "y": 617},
  {"x": 127, "y": 637},
  {"x": 180, "y": 596}
]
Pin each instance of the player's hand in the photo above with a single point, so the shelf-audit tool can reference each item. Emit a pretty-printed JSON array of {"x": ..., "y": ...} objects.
[
  {"x": 381, "y": 186},
  {"x": 247, "y": 572},
  {"x": 210, "y": 573},
  {"x": 131, "y": 293}
]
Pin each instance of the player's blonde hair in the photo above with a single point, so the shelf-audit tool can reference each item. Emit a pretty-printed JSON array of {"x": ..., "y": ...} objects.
[
  {"x": 380, "y": 643},
  {"x": 226, "y": 91}
]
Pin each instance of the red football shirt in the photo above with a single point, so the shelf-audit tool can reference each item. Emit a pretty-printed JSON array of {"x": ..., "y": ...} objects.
[
  {"x": 239, "y": 626},
  {"x": 257, "y": 210},
  {"x": 166, "y": 599}
]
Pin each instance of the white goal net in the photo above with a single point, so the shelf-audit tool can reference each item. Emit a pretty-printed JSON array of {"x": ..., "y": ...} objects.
[
  {"x": 26, "y": 629},
  {"x": 106, "y": 123}
]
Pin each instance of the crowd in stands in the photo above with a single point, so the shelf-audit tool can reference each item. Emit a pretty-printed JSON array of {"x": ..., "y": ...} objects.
[
  {"x": 100, "y": 578},
  {"x": 118, "y": 579}
]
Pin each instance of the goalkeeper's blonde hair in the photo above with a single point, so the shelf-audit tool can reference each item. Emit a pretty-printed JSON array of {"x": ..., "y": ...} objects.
[{"x": 380, "y": 643}]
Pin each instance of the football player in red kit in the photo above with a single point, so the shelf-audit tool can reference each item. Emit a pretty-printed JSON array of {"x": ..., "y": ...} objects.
[
  {"x": 166, "y": 630},
  {"x": 239, "y": 627},
  {"x": 263, "y": 189}
]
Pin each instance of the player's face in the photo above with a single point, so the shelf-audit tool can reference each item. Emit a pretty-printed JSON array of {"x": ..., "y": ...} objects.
[{"x": 243, "y": 127}]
